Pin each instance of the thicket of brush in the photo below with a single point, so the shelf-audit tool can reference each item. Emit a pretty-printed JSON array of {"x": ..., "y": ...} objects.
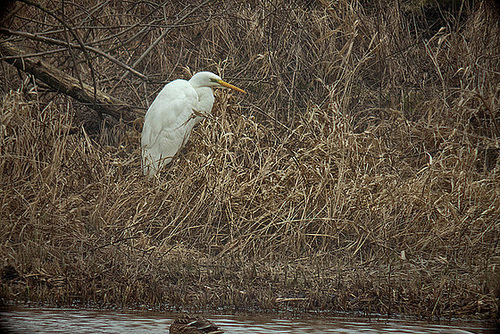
[{"x": 360, "y": 173}]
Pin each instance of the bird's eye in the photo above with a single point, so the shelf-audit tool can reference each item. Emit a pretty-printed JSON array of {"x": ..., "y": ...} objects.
[{"x": 214, "y": 80}]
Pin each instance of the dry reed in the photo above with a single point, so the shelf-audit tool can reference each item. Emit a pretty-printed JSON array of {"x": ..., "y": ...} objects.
[{"x": 360, "y": 174}]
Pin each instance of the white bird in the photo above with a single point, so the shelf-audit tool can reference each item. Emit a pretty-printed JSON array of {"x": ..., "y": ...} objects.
[{"x": 171, "y": 117}]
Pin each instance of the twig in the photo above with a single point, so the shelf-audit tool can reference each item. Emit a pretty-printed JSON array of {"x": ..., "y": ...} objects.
[
  {"x": 50, "y": 40},
  {"x": 73, "y": 56},
  {"x": 30, "y": 55},
  {"x": 69, "y": 85},
  {"x": 75, "y": 36},
  {"x": 162, "y": 36}
]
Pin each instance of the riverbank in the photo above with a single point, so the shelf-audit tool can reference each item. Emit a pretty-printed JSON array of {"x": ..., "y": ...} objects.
[{"x": 81, "y": 225}]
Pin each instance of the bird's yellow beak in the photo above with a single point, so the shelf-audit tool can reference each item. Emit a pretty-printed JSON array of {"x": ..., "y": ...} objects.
[{"x": 228, "y": 85}]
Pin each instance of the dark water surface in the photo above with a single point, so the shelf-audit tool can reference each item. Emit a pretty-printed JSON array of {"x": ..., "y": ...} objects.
[{"x": 29, "y": 320}]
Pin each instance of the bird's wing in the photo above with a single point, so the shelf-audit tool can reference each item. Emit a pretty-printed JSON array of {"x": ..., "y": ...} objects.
[{"x": 168, "y": 123}]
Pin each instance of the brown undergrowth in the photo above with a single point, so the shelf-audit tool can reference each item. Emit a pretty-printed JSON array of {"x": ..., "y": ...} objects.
[{"x": 357, "y": 176}]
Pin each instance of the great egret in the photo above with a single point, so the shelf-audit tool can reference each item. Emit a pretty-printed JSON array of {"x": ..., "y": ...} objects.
[{"x": 171, "y": 117}]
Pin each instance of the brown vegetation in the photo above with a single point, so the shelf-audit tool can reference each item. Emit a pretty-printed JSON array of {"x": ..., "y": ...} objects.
[
  {"x": 360, "y": 174},
  {"x": 188, "y": 324}
]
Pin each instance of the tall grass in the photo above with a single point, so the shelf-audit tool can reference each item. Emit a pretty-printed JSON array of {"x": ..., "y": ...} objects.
[{"x": 360, "y": 174}]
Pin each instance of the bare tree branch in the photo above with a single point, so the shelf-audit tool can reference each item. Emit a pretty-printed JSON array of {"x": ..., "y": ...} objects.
[
  {"x": 75, "y": 36},
  {"x": 69, "y": 85},
  {"x": 162, "y": 36},
  {"x": 54, "y": 41}
]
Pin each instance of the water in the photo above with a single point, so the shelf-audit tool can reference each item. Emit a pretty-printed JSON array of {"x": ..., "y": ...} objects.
[{"x": 92, "y": 321}]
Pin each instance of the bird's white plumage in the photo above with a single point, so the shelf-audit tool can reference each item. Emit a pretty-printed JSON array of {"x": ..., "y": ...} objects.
[{"x": 173, "y": 114}]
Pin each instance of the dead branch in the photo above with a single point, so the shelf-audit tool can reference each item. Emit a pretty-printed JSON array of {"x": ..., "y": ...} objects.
[
  {"x": 54, "y": 41},
  {"x": 161, "y": 37},
  {"x": 69, "y": 85}
]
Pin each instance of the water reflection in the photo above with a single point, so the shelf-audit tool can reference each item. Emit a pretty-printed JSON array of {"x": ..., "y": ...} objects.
[{"x": 90, "y": 321}]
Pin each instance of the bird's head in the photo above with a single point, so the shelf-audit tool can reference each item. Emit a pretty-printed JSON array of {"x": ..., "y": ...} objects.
[{"x": 209, "y": 79}]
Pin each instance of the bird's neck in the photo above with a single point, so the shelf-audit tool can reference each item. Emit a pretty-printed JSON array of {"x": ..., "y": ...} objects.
[{"x": 205, "y": 99}]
